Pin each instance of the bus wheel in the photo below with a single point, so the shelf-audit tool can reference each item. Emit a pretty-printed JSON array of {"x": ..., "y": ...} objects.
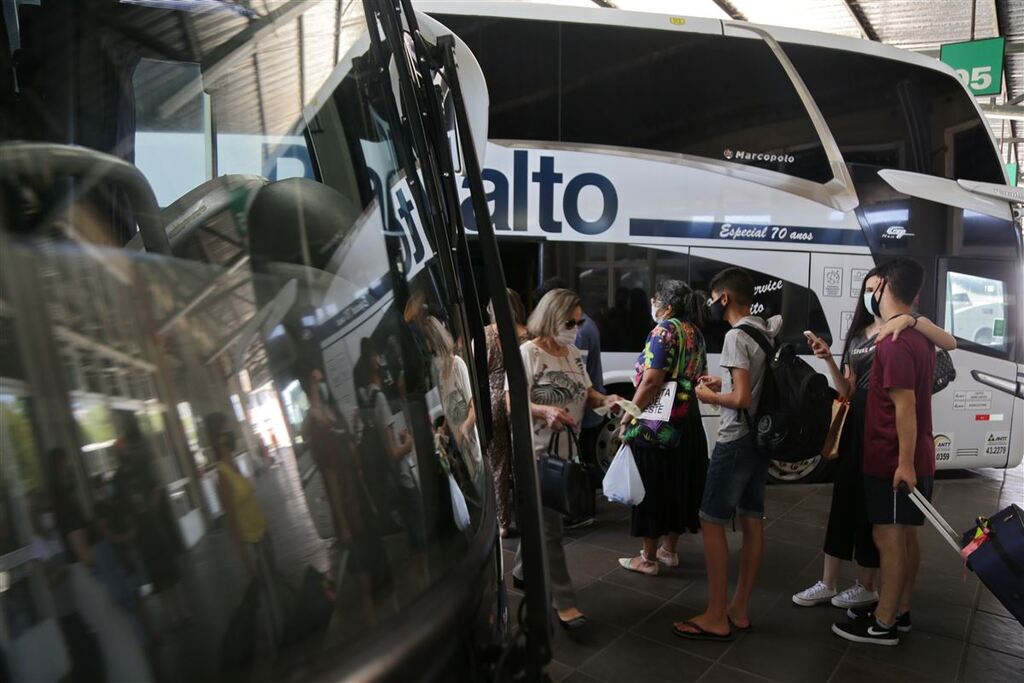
[
  {"x": 607, "y": 444},
  {"x": 810, "y": 471}
]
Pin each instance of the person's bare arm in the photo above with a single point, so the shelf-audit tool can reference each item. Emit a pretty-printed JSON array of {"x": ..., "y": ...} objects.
[
  {"x": 739, "y": 398},
  {"x": 649, "y": 387},
  {"x": 932, "y": 332},
  {"x": 905, "y": 402},
  {"x": 844, "y": 382}
]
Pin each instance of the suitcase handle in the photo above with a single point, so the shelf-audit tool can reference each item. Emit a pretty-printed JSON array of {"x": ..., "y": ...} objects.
[{"x": 932, "y": 515}]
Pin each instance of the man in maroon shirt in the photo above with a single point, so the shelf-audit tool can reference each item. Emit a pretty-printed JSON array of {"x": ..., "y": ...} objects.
[{"x": 898, "y": 449}]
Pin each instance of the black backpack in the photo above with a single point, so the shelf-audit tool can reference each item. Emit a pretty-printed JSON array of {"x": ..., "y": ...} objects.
[{"x": 795, "y": 410}]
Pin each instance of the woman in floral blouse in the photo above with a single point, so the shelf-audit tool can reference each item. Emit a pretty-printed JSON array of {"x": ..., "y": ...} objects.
[{"x": 671, "y": 455}]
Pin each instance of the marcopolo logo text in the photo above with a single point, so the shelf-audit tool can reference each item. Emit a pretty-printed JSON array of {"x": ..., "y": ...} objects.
[{"x": 743, "y": 155}]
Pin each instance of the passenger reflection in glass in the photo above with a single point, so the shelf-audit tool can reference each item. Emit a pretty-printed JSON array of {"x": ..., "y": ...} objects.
[
  {"x": 139, "y": 496},
  {"x": 328, "y": 436},
  {"x": 247, "y": 523},
  {"x": 394, "y": 476}
]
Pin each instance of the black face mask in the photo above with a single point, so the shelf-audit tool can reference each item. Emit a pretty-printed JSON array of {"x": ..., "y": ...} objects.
[
  {"x": 228, "y": 439},
  {"x": 875, "y": 304},
  {"x": 717, "y": 309}
]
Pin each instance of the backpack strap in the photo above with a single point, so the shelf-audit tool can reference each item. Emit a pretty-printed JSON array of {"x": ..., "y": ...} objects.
[
  {"x": 758, "y": 336},
  {"x": 769, "y": 351}
]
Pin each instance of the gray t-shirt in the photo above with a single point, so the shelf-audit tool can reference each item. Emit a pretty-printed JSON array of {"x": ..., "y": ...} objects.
[{"x": 741, "y": 351}]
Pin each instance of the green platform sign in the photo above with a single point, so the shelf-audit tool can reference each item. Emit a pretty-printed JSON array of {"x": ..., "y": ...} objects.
[{"x": 978, "y": 63}]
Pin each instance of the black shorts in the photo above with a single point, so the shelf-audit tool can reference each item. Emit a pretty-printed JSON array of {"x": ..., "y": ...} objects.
[{"x": 886, "y": 506}]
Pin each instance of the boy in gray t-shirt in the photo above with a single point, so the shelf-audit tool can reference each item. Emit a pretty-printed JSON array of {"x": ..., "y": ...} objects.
[
  {"x": 738, "y": 470},
  {"x": 741, "y": 351}
]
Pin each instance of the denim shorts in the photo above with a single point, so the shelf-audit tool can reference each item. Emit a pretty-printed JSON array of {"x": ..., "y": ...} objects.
[{"x": 737, "y": 475}]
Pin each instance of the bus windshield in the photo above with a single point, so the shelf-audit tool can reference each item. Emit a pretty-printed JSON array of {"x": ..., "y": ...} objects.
[{"x": 233, "y": 365}]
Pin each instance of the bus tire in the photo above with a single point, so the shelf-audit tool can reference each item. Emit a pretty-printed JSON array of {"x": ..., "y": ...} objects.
[
  {"x": 608, "y": 439},
  {"x": 812, "y": 471}
]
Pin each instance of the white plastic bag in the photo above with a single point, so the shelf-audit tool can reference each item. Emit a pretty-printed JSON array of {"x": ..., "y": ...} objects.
[
  {"x": 622, "y": 483},
  {"x": 459, "y": 508}
]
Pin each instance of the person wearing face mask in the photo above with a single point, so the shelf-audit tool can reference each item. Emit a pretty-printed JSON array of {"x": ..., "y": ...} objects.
[
  {"x": 559, "y": 390},
  {"x": 848, "y": 535},
  {"x": 738, "y": 469},
  {"x": 671, "y": 455},
  {"x": 899, "y": 454}
]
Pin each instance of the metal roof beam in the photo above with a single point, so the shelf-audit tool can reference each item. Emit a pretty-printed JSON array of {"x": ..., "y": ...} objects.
[
  {"x": 861, "y": 19},
  {"x": 731, "y": 10},
  {"x": 202, "y": 295},
  {"x": 1014, "y": 47},
  {"x": 226, "y": 56},
  {"x": 1010, "y": 112},
  {"x": 605, "y": 3}
]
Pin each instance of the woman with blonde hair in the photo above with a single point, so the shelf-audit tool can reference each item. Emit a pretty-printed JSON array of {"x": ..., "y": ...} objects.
[
  {"x": 559, "y": 391},
  {"x": 499, "y": 450}
]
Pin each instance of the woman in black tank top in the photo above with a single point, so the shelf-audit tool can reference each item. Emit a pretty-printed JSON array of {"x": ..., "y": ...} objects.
[{"x": 848, "y": 535}]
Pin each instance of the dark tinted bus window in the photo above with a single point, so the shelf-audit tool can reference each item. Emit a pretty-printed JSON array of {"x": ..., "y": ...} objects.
[
  {"x": 520, "y": 61},
  {"x": 710, "y": 96},
  {"x": 799, "y": 306},
  {"x": 897, "y": 115},
  {"x": 616, "y": 283}
]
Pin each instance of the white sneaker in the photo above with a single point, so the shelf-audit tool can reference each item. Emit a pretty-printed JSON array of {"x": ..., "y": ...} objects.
[
  {"x": 855, "y": 596},
  {"x": 818, "y": 594}
]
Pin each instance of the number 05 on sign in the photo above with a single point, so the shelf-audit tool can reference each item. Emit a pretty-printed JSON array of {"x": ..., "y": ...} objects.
[{"x": 978, "y": 64}]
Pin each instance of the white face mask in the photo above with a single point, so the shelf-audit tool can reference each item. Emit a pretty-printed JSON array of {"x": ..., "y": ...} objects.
[
  {"x": 566, "y": 337},
  {"x": 654, "y": 314}
]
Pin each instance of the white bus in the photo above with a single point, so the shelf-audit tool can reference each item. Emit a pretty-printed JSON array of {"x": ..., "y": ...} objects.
[{"x": 625, "y": 148}]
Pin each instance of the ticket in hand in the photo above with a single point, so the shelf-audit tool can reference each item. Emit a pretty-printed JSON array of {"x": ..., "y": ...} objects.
[{"x": 632, "y": 409}]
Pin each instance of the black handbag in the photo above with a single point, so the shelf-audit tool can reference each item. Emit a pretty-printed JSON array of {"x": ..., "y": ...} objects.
[
  {"x": 944, "y": 371},
  {"x": 561, "y": 481}
]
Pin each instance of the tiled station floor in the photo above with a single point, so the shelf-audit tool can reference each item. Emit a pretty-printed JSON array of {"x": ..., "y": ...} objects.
[{"x": 961, "y": 633}]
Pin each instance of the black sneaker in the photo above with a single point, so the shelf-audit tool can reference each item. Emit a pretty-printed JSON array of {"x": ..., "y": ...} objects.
[
  {"x": 579, "y": 523},
  {"x": 867, "y": 631},
  {"x": 868, "y": 612},
  {"x": 862, "y": 612}
]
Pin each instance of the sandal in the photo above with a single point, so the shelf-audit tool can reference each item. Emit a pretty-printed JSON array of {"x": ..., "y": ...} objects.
[
  {"x": 700, "y": 633},
  {"x": 666, "y": 558},
  {"x": 742, "y": 629},
  {"x": 645, "y": 566}
]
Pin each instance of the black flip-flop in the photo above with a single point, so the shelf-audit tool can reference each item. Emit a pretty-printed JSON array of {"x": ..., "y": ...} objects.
[
  {"x": 701, "y": 634},
  {"x": 742, "y": 629}
]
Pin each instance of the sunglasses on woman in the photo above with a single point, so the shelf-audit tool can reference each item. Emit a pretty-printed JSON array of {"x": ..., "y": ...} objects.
[{"x": 574, "y": 324}]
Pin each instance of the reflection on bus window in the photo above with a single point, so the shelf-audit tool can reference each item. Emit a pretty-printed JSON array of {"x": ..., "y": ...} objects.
[
  {"x": 976, "y": 310},
  {"x": 170, "y": 135}
]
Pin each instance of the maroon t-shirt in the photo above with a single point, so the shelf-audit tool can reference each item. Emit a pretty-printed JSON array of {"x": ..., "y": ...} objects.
[{"x": 908, "y": 363}]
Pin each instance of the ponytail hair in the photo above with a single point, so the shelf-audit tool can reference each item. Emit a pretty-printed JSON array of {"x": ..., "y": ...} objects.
[{"x": 686, "y": 304}]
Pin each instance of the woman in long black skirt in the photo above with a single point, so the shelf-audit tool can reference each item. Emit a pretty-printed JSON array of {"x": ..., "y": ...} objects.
[{"x": 671, "y": 455}]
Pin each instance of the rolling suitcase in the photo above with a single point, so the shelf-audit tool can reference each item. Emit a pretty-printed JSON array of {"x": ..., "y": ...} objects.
[{"x": 993, "y": 549}]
